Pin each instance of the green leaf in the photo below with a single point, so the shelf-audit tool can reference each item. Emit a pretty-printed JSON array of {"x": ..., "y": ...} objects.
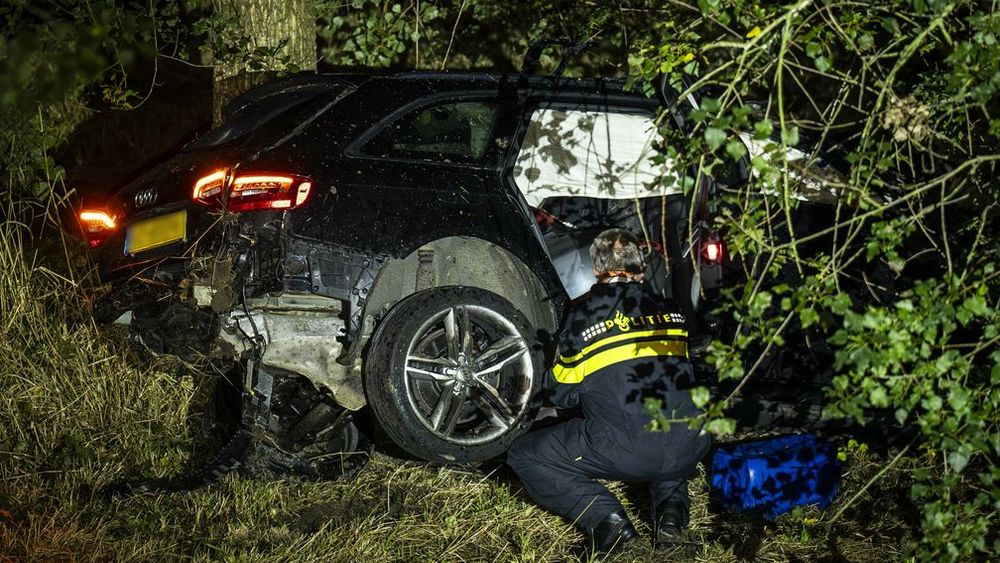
[
  {"x": 721, "y": 426},
  {"x": 932, "y": 403},
  {"x": 808, "y": 317},
  {"x": 901, "y": 415},
  {"x": 790, "y": 136},
  {"x": 878, "y": 397},
  {"x": 736, "y": 149},
  {"x": 759, "y": 302},
  {"x": 714, "y": 137},
  {"x": 823, "y": 64},
  {"x": 958, "y": 460},
  {"x": 700, "y": 396},
  {"x": 963, "y": 315},
  {"x": 762, "y": 130},
  {"x": 709, "y": 104},
  {"x": 976, "y": 305},
  {"x": 958, "y": 399},
  {"x": 891, "y": 25}
]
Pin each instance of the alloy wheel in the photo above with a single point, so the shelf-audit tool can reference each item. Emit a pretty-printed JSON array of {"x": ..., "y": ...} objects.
[{"x": 468, "y": 374}]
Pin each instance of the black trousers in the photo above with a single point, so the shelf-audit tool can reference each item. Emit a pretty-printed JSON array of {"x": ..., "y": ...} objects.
[{"x": 558, "y": 466}]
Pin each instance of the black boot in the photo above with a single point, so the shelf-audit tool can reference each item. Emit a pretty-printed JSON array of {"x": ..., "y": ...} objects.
[
  {"x": 610, "y": 536},
  {"x": 669, "y": 521}
]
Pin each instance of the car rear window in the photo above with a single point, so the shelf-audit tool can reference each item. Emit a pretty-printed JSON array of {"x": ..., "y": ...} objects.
[
  {"x": 258, "y": 122},
  {"x": 445, "y": 131}
]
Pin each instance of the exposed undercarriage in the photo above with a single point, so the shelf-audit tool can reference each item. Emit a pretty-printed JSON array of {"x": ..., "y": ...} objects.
[
  {"x": 275, "y": 315},
  {"x": 291, "y": 317}
]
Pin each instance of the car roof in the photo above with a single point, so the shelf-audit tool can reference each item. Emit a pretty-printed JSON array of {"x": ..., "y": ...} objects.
[
  {"x": 443, "y": 81},
  {"x": 491, "y": 79},
  {"x": 398, "y": 87},
  {"x": 382, "y": 94}
]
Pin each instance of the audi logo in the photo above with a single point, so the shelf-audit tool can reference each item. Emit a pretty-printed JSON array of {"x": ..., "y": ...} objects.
[{"x": 146, "y": 197}]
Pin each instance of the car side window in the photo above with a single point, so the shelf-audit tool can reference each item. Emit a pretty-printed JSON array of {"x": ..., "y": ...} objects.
[
  {"x": 598, "y": 154},
  {"x": 447, "y": 131}
]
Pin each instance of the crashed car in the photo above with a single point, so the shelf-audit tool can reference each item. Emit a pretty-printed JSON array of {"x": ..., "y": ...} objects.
[{"x": 405, "y": 242}]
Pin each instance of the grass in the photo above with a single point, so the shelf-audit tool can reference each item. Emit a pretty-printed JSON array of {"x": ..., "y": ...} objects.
[{"x": 80, "y": 410}]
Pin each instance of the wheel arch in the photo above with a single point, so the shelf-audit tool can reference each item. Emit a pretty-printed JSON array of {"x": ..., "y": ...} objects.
[{"x": 462, "y": 261}]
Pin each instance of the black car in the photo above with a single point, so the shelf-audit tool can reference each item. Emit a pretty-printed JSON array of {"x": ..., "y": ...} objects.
[{"x": 407, "y": 242}]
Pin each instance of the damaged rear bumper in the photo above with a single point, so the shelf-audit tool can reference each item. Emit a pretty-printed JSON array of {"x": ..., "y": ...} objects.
[
  {"x": 292, "y": 305},
  {"x": 297, "y": 333}
]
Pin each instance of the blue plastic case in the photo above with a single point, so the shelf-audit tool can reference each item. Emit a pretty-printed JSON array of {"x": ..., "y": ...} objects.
[{"x": 775, "y": 475}]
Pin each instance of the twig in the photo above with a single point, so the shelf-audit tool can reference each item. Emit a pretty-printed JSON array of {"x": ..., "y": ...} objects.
[
  {"x": 760, "y": 359},
  {"x": 944, "y": 235},
  {"x": 156, "y": 60},
  {"x": 454, "y": 30},
  {"x": 180, "y": 60},
  {"x": 871, "y": 482}
]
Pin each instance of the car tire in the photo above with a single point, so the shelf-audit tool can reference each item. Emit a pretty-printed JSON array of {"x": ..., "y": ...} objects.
[{"x": 451, "y": 373}]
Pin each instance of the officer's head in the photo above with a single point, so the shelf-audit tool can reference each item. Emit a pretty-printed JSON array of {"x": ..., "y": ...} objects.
[{"x": 616, "y": 253}]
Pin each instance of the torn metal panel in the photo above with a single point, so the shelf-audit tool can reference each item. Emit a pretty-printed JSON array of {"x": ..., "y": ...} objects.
[
  {"x": 332, "y": 271},
  {"x": 300, "y": 333}
]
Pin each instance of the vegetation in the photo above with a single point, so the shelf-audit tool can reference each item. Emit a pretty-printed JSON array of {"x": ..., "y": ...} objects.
[
  {"x": 80, "y": 411},
  {"x": 901, "y": 298},
  {"x": 900, "y": 293}
]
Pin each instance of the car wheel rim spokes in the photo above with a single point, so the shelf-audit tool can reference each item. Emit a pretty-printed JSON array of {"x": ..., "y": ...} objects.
[
  {"x": 448, "y": 408},
  {"x": 431, "y": 369},
  {"x": 459, "y": 332},
  {"x": 494, "y": 406},
  {"x": 499, "y": 355},
  {"x": 468, "y": 374}
]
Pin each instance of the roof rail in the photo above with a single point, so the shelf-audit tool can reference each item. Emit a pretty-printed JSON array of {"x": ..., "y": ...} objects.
[{"x": 531, "y": 59}]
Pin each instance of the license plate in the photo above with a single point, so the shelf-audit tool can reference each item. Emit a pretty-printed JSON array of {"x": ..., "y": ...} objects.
[{"x": 158, "y": 231}]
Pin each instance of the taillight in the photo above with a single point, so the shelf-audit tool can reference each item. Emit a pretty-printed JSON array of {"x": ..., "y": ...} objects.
[
  {"x": 250, "y": 192},
  {"x": 711, "y": 250},
  {"x": 210, "y": 187},
  {"x": 97, "y": 225}
]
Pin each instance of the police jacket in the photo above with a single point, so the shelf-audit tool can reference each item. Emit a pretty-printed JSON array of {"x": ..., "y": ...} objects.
[{"x": 618, "y": 347}]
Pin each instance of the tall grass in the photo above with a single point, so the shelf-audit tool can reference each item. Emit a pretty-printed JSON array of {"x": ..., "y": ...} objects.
[
  {"x": 76, "y": 409},
  {"x": 79, "y": 410}
]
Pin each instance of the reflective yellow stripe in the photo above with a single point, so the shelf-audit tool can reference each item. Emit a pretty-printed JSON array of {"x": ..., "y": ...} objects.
[
  {"x": 620, "y": 337},
  {"x": 622, "y": 353}
]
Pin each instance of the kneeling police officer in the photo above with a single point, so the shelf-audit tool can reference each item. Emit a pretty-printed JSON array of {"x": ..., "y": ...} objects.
[{"x": 618, "y": 347}]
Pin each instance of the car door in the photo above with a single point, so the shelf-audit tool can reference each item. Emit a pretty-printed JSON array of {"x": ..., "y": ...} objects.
[
  {"x": 581, "y": 164},
  {"x": 421, "y": 173}
]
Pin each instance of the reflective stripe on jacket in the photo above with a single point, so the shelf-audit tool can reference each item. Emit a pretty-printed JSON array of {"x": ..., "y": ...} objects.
[{"x": 619, "y": 348}]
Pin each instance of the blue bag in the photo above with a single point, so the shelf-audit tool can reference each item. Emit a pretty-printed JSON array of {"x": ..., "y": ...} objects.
[{"x": 775, "y": 475}]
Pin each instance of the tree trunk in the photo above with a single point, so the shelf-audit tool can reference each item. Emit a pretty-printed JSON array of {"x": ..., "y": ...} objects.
[{"x": 271, "y": 35}]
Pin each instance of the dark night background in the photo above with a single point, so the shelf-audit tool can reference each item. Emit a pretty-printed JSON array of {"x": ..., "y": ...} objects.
[{"x": 904, "y": 95}]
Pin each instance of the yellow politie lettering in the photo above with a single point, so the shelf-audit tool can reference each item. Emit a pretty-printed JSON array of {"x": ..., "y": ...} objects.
[{"x": 622, "y": 321}]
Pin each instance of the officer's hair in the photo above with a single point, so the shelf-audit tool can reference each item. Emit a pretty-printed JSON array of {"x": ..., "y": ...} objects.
[{"x": 616, "y": 250}]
